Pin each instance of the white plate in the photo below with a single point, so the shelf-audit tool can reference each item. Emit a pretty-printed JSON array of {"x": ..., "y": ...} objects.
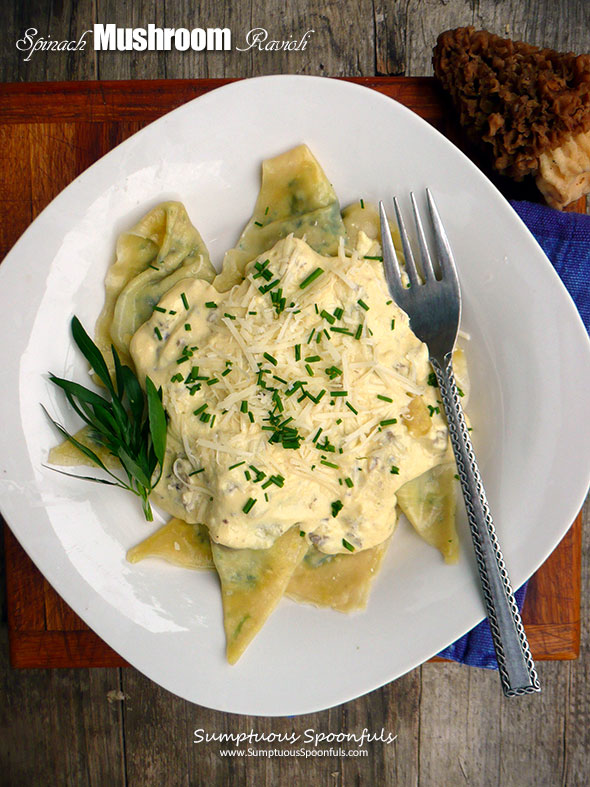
[{"x": 530, "y": 362}]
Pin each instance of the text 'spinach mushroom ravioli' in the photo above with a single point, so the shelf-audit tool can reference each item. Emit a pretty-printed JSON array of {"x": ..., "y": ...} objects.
[{"x": 300, "y": 403}]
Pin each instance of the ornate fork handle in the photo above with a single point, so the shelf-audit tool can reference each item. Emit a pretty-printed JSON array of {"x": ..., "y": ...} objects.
[{"x": 515, "y": 663}]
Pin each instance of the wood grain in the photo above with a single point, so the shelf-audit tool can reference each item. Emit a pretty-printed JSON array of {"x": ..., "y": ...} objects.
[{"x": 57, "y": 726}]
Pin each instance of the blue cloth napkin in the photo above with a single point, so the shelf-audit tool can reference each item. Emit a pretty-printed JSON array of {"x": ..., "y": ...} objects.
[{"x": 565, "y": 239}]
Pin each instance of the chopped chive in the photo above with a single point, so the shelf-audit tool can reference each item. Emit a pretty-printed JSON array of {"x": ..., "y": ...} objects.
[
  {"x": 432, "y": 410},
  {"x": 359, "y": 332},
  {"x": 280, "y": 379},
  {"x": 319, "y": 396},
  {"x": 310, "y": 337},
  {"x": 302, "y": 533},
  {"x": 196, "y": 472},
  {"x": 237, "y": 464},
  {"x": 315, "y": 306},
  {"x": 251, "y": 417},
  {"x": 157, "y": 332},
  {"x": 159, "y": 309},
  {"x": 317, "y": 434},
  {"x": 350, "y": 407},
  {"x": 177, "y": 378},
  {"x": 204, "y": 417},
  {"x": 394, "y": 470},
  {"x": 338, "y": 393},
  {"x": 200, "y": 409},
  {"x": 153, "y": 267},
  {"x": 327, "y": 316},
  {"x": 363, "y": 305},
  {"x": 313, "y": 358},
  {"x": 338, "y": 313},
  {"x": 341, "y": 330},
  {"x": 309, "y": 370},
  {"x": 349, "y": 482},
  {"x": 212, "y": 381},
  {"x": 277, "y": 400},
  {"x": 432, "y": 380},
  {"x": 392, "y": 325},
  {"x": 226, "y": 372},
  {"x": 247, "y": 475},
  {"x": 333, "y": 371},
  {"x": 311, "y": 278},
  {"x": 252, "y": 312},
  {"x": 211, "y": 305},
  {"x": 318, "y": 338},
  {"x": 244, "y": 407},
  {"x": 212, "y": 422},
  {"x": 367, "y": 257},
  {"x": 362, "y": 204},
  {"x": 297, "y": 352},
  {"x": 336, "y": 507},
  {"x": 171, "y": 311},
  {"x": 229, "y": 316},
  {"x": 266, "y": 211},
  {"x": 346, "y": 545},
  {"x": 388, "y": 303},
  {"x": 187, "y": 326},
  {"x": 384, "y": 398},
  {"x": 184, "y": 301},
  {"x": 249, "y": 505},
  {"x": 258, "y": 224},
  {"x": 268, "y": 287},
  {"x": 339, "y": 421},
  {"x": 388, "y": 422},
  {"x": 328, "y": 464},
  {"x": 270, "y": 358}
]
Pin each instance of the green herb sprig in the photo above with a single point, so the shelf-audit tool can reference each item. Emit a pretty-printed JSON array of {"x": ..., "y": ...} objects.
[{"x": 131, "y": 424}]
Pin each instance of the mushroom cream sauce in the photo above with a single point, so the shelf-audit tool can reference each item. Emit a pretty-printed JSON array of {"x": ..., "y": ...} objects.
[{"x": 299, "y": 396}]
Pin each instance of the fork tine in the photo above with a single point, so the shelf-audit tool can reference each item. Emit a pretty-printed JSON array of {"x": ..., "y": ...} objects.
[
  {"x": 427, "y": 268},
  {"x": 410, "y": 264},
  {"x": 445, "y": 255},
  {"x": 390, "y": 260}
]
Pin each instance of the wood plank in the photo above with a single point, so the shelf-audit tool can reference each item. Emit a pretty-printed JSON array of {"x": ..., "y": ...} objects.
[
  {"x": 61, "y": 649},
  {"x": 111, "y": 101},
  {"x": 58, "y": 726},
  {"x": 576, "y": 705},
  {"x": 15, "y": 191}
]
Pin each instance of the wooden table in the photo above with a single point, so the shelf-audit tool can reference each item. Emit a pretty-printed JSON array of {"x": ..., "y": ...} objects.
[{"x": 112, "y": 725}]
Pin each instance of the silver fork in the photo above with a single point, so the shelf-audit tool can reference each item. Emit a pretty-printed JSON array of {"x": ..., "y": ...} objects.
[{"x": 434, "y": 309}]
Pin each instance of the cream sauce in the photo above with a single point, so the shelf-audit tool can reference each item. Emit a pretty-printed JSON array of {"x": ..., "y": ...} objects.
[{"x": 228, "y": 362}]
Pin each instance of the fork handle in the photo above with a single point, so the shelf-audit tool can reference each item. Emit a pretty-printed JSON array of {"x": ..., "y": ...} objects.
[{"x": 515, "y": 663}]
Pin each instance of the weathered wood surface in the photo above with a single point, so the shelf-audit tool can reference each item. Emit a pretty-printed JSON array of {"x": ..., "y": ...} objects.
[{"x": 109, "y": 726}]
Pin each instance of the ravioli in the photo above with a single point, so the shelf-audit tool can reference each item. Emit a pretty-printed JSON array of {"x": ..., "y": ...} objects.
[
  {"x": 429, "y": 503},
  {"x": 176, "y": 542},
  {"x": 252, "y": 584},
  {"x": 342, "y": 582},
  {"x": 158, "y": 251},
  {"x": 295, "y": 197}
]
